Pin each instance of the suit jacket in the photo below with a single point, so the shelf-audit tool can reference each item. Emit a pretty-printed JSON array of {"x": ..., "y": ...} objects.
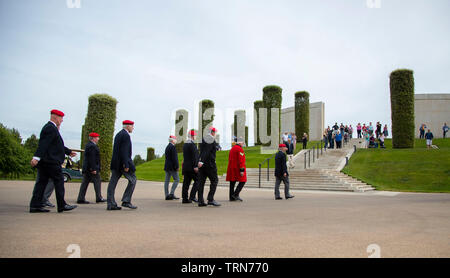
[
  {"x": 280, "y": 164},
  {"x": 171, "y": 163},
  {"x": 51, "y": 149},
  {"x": 91, "y": 160},
  {"x": 122, "y": 150},
  {"x": 208, "y": 149},
  {"x": 190, "y": 157}
]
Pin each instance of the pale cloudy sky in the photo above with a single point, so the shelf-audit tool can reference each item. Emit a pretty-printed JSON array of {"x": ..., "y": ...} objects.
[{"x": 158, "y": 56}]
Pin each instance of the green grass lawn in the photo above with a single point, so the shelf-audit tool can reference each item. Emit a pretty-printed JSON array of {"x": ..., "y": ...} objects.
[
  {"x": 410, "y": 170},
  {"x": 154, "y": 170}
]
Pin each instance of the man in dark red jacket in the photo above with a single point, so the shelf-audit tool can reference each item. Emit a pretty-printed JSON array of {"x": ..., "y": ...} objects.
[{"x": 236, "y": 171}]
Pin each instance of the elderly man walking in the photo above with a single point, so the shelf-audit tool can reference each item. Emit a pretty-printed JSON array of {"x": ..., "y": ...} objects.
[
  {"x": 171, "y": 167},
  {"x": 236, "y": 171},
  {"x": 91, "y": 170},
  {"x": 122, "y": 164},
  {"x": 190, "y": 168},
  {"x": 281, "y": 173},
  {"x": 48, "y": 158}
]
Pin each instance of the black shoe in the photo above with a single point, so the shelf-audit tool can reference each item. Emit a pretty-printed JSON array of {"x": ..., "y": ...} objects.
[
  {"x": 202, "y": 204},
  {"x": 101, "y": 200},
  {"x": 48, "y": 204},
  {"x": 34, "y": 210},
  {"x": 278, "y": 198},
  {"x": 232, "y": 199},
  {"x": 175, "y": 197},
  {"x": 194, "y": 200},
  {"x": 186, "y": 202},
  {"x": 113, "y": 208},
  {"x": 214, "y": 203},
  {"x": 290, "y": 197},
  {"x": 67, "y": 208},
  {"x": 83, "y": 202},
  {"x": 237, "y": 198},
  {"x": 169, "y": 197},
  {"x": 129, "y": 205}
]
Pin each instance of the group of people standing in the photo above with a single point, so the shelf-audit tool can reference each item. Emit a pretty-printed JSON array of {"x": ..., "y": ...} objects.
[{"x": 334, "y": 136}]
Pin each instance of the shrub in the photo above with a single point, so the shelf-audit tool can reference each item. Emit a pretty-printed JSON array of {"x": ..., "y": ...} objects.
[
  {"x": 402, "y": 108},
  {"x": 150, "y": 154},
  {"x": 272, "y": 97},
  {"x": 301, "y": 114},
  {"x": 100, "y": 118}
]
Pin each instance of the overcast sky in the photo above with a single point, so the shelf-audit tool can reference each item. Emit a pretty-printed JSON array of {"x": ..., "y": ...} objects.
[{"x": 155, "y": 57}]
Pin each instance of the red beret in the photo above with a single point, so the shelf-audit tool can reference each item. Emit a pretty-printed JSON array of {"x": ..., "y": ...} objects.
[
  {"x": 93, "y": 134},
  {"x": 213, "y": 129},
  {"x": 173, "y": 137},
  {"x": 282, "y": 146},
  {"x": 57, "y": 112},
  {"x": 128, "y": 122},
  {"x": 192, "y": 132}
]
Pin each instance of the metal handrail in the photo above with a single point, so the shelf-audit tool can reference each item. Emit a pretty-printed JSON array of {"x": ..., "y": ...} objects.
[{"x": 268, "y": 168}]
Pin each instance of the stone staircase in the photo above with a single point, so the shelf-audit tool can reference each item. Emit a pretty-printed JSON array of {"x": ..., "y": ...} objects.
[{"x": 324, "y": 173}]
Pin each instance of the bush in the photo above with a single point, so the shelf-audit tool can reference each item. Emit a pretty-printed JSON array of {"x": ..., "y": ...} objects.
[
  {"x": 150, "y": 154},
  {"x": 205, "y": 104},
  {"x": 256, "y": 105},
  {"x": 402, "y": 108},
  {"x": 137, "y": 160},
  {"x": 272, "y": 97},
  {"x": 301, "y": 114},
  {"x": 100, "y": 118},
  {"x": 14, "y": 158}
]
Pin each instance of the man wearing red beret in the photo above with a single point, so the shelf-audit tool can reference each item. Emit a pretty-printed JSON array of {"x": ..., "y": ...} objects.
[
  {"x": 91, "y": 170},
  {"x": 48, "y": 158},
  {"x": 122, "y": 164},
  {"x": 281, "y": 173}
]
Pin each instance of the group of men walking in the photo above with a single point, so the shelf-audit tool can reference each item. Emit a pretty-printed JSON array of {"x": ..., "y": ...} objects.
[
  {"x": 197, "y": 166},
  {"x": 50, "y": 155}
]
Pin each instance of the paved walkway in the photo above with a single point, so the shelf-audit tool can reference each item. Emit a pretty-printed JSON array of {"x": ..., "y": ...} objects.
[{"x": 313, "y": 224}]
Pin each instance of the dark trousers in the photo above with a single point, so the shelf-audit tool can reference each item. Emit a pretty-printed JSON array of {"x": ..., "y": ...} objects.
[
  {"x": 304, "y": 144},
  {"x": 211, "y": 174},
  {"x": 235, "y": 192},
  {"x": 87, "y": 178},
  {"x": 48, "y": 191},
  {"x": 115, "y": 176},
  {"x": 46, "y": 172},
  {"x": 188, "y": 177},
  {"x": 359, "y": 134},
  {"x": 422, "y": 134}
]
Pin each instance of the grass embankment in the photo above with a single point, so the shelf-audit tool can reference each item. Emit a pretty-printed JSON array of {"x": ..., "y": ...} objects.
[
  {"x": 410, "y": 170},
  {"x": 154, "y": 170}
]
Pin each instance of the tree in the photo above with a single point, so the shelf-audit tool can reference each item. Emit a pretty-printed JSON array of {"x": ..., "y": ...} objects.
[
  {"x": 402, "y": 108},
  {"x": 137, "y": 160},
  {"x": 272, "y": 97},
  {"x": 14, "y": 158},
  {"x": 100, "y": 118},
  {"x": 150, "y": 154},
  {"x": 301, "y": 114},
  {"x": 31, "y": 144}
]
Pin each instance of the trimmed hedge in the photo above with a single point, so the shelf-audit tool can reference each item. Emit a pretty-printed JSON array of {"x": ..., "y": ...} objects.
[
  {"x": 401, "y": 83},
  {"x": 301, "y": 114},
  {"x": 205, "y": 104},
  {"x": 235, "y": 126},
  {"x": 256, "y": 105},
  {"x": 180, "y": 139},
  {"x": 150, "y": 154},
  {"x": 100, "y": 118},
  {"x": 272, "y": 97}
]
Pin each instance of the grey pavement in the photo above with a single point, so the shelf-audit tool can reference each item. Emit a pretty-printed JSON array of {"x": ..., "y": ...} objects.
[{"x": 313, "y": 224}]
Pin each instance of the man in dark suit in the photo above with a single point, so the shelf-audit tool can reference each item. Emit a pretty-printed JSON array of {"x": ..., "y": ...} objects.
[
  {"x": 122, "y": 164},
  {"x": 208, "y": 168},
  {"x": 48, "y": 158},
  {"x": 171, "y": 167},
  {"x": 190, "y": 168},
  {"x": 281, "y": 173},
  {"x": 91, "y": 170}
]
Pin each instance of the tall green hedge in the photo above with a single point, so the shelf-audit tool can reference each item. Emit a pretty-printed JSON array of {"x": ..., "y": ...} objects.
[
  {"x": 205, "y": 104},
  {"x": 301, "y": 114},
  {"x": 180, "y": 118},
  {"x": 402, "y": 108},
  {"x": 100, "y": 118},
  {"x": 272, "y": 97},
  {"x": 150, "y": 154},
  {"x": 256, "y": 105}
]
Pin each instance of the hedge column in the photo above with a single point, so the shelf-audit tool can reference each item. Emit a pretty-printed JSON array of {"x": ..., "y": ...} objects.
[
  {"x": 256, "y": 105},
  {"x": 100, "y": 118},
  {"x": 150, "y": 154},
  {"x": 206, "y": 116},
  {"x": 272, "y": 97},
  {"x": 301, "y": 114},
  {"x": 181, "y": 124},
  {"x": 402, "y": 108}
]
